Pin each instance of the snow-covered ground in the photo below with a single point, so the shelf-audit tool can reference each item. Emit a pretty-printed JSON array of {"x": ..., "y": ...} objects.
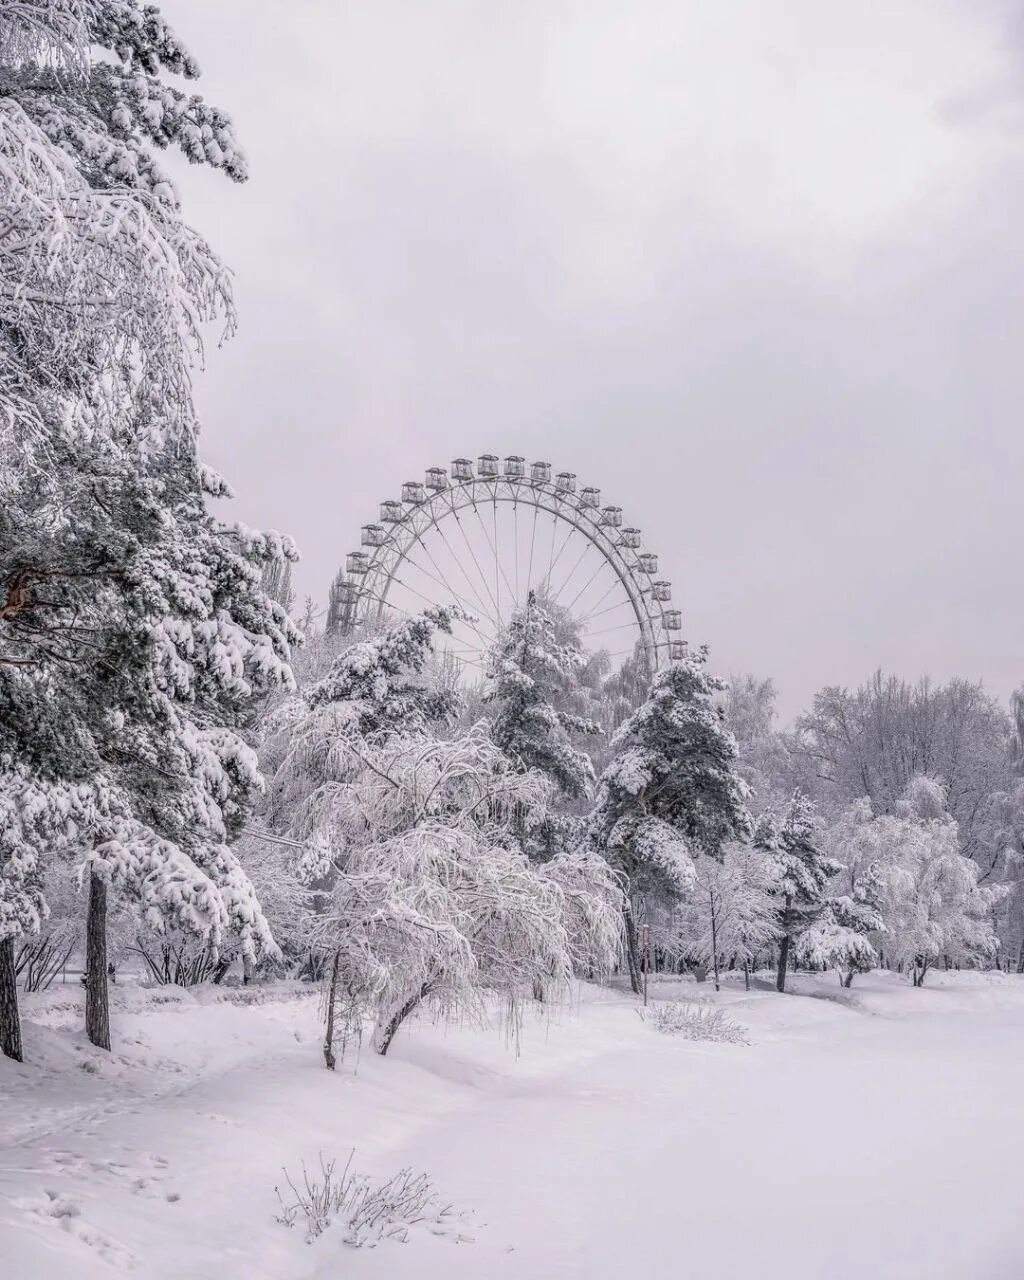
[{"x": 871, "y": 1133}]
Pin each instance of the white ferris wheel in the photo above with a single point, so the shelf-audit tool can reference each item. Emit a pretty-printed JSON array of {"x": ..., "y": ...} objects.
[{"x": 483, "y": 536}]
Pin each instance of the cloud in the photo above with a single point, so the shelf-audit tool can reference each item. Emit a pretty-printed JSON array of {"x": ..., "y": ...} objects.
[{"x": 754, "y": 268}]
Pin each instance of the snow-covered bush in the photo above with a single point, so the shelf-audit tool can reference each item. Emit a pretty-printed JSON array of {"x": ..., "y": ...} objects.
[
  {"x": 429, "y": 896},
  {"x": 366, "y": 1211},
  {"x": 694, "y": 1022}
]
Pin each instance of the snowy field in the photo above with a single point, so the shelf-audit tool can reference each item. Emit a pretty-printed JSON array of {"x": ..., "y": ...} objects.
[{"x": 867, "y": 1133}]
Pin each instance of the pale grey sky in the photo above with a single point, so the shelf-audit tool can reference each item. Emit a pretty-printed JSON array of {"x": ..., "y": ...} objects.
[{"x": 753, "y": 267}]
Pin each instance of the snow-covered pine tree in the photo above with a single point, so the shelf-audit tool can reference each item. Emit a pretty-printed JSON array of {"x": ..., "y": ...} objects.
[
  {"x": 381, "y": 685},
  {"x": 133, "y": 629},
  {"x": 672, "y": 790},
  {"x": 531, "y": 674},
  {"x": 801, "y": 872}
]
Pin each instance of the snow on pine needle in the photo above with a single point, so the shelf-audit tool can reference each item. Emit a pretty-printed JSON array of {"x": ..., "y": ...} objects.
[
  {"x": 694, "y": 1022},
  {"x": 367, "y": 1212}
]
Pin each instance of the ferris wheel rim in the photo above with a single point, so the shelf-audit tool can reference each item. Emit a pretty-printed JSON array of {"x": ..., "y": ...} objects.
[{"x": 435, "y": 503}]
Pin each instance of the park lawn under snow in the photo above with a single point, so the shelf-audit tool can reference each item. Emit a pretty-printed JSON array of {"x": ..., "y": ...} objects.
[{"x": 873, "y": 1132}]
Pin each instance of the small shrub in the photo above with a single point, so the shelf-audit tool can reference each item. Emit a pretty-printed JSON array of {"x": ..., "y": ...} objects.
[
  {"x": 368, "y": 1212},
  {"x": 695, "y": 1022}
]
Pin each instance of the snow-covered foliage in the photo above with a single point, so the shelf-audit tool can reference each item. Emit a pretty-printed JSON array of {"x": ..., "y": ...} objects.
[
  {"x": 799, "y": 868},
  {"x": 912, "y": 875},
  {"x": 430, "y": 897},
  {"x": 367, "y": 1211},
  {"x": 695, "y": 1022},
  {"x": 671, "y": 790},
  {"x": 134, "y": 632},
  {"x": 532, "y": 669},
  {"x": 729, "y": 915},
  {"x": 379, "y": 685}
]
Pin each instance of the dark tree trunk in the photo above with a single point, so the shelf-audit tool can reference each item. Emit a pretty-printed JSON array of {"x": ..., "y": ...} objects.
[
  {"x": 714, "y": 940},
  {"x": 746, "y": 975},
  {"x": 329, "y": 1057},
  {"x": 382, "y": 1042},
  {"x": 780, "y": 981},
  {"x": 632, "y": 951},
  {"x": 848, "y": 980},
  {"x": 10, "y": 1023},
  {"x": 97, "y": 1005}
]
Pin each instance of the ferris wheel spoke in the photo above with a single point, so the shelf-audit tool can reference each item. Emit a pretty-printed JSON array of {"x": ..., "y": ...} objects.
[
  {"x": 586, "y": 548},
  {"x": 475, "y": 558},
  {"x": 565, "y": 543},
  {"x": 599, "y": 613},
  {"x": 606, "y": 631},
  {"x": 497, "y": 558},
  {"x": 586, "y": 585},
  {"x": 533, "y": 539},
  {"x": 383, "y": 600},
  {"x": 515, "y": 540},
  {"x": 468, "y": 620},
  {"x": 478, "y": 603},
  {"x": 551, "y": 551},
  {"x": 496, "y": 596},
  {"x": 476, "y": 595}
]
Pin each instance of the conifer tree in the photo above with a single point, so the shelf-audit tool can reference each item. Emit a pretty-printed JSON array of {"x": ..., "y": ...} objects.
[
  {"x": 801, "y": 872},
  {"x": 531, "y": 670},
  {"x": 671, "y": 790},
  {"x": 133, "y": 629}
]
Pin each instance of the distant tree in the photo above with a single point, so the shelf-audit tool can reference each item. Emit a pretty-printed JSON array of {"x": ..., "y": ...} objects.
[
  {"x": 801, "y": 872},
  {"x": 729, "y": 916},
  {"x": 672, "y": 789},
  {"x": 874, "y": 741}
]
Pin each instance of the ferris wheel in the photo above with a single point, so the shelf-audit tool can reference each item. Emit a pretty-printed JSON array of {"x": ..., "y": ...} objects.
[{"x": 483, "y": 536}]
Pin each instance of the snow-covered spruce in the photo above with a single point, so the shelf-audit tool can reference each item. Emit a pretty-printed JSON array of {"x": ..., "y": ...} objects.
[
  {"x": 800, "y": 871},
  {"x": 671, "y": 790},
  {"x": 530, "y": 669},
  {"x": 134, "y": 633}
]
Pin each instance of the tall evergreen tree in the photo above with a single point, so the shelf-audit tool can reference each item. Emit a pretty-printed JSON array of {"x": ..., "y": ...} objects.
[
  {"x": 133, "y": 629},
  {"x": 672, "y": 790},
  {"x": 801, "y": 872},
  {"x": 531, "y": 670}
]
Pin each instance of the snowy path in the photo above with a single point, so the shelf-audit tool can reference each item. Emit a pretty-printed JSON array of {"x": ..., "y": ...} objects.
[{"x": 879, "y": 1140}]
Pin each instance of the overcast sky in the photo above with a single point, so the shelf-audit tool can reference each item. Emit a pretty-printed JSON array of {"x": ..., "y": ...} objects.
[{"x": 754, "y": 267}]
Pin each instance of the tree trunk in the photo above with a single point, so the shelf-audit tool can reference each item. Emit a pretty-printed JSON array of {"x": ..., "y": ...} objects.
[
  {"x": 746, "y": 975},
  {"x": 714, "y": 941},
  {"x": 332, "y": 993},
  {"x": 10, "y": 1023},
  {"x": 780, "y": 981},
  {"x": 247, "y": 970},
  {"x": 383, "y": 1036},
  {"x": 848, "y": 982},
  {"x": 632, "y": 951},
  {"x": 97, "y": 1006}
]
